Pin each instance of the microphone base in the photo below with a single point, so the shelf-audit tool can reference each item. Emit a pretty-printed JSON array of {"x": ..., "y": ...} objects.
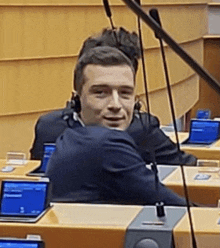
[{"x": 149, "y": 229}]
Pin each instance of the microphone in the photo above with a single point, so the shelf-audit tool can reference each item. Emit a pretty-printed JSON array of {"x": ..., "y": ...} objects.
[
  {"x": 143, "y": 64},
  {"x": 108, "y": 12},
  {"x": 107, "y": 8},
  {"x": 175, "y": 47},
  {"x": 155, "y": 15},
  {"x": 159, "y": 205}
]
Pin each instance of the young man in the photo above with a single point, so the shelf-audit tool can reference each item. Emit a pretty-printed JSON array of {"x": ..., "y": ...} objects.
[
  {"x": 150, "y": 139},
  {"x": 100, "y": 162}
]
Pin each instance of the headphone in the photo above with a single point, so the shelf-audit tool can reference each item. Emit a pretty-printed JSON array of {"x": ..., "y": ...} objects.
[
  {"x": 137, "y": 106},
  {"x": 75, "y": 104}
]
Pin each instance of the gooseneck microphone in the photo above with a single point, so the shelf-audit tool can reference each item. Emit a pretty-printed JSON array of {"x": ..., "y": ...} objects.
[
  {"x": 109, "y": 15},
  {"x": 159, "y": 205},
  {"x": 155, "y": 15},
  {"x": 143, "y": 63},
  {"x": 215, "y": 84},
  {"x": 108, "y": 12}
]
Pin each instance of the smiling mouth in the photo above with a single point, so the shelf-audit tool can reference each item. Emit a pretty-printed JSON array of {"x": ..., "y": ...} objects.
[{"x": 114, "y": 119}]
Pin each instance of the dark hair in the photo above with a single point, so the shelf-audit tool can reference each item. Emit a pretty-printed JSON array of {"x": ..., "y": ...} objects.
[{"x": 111, "y": 47}]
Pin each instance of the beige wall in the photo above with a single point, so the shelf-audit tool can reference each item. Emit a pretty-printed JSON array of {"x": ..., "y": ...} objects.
[
  {"x": 209, "y": 98},
  {"x": 40, "y": 40}
]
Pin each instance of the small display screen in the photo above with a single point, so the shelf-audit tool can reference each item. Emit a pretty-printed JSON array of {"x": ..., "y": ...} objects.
[
  {"x": 48, "y": 151},
  {"x": 23, "y": 198},
  {"x": 204, "y": 131},
  {"x": 8, "y": 243},
  {"x": 203, "y": 114}
]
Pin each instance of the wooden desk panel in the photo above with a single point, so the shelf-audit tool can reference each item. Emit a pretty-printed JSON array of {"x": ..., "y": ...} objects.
[
  {"x": 20, "y": 171},
  {"x": 200, "y": 191},
  {"x": 206, "y": 227},
  {"x": 212, "y": 152},
  {"x": 78, "y": 225}
]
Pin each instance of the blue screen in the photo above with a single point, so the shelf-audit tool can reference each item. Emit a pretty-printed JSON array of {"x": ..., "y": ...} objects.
[
  {"x": 18, "y": 244},
  {"x": 204, "y": 131},
  {"x": 48, "y": 151},
  {"x": 203, "y": 114},
  {"x": 23, "y": 198}
]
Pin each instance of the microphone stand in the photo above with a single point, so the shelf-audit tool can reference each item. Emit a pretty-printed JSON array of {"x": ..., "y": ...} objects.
[
  {"x": 108, "y": 12},
  {"x": 155, "y": 15},
  {"x": 185, "y": 56},
  {"x": 143, "y": 64},
  {"x": 159, "y": 205}
]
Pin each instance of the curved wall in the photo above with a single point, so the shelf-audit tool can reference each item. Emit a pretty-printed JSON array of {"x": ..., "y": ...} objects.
[{"x": 40, "y": 40}]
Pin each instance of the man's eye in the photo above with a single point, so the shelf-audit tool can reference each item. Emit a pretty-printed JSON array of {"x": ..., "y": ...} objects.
[
  {"x": 126, "y": 93},
  {"x": 100, "y": 92}
]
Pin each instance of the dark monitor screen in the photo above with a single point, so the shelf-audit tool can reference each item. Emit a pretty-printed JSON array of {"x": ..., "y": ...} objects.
[
  {"x": 204, "y": 131},
  {"x": 23, "y": 198},
  {"x": 17, "y": 243},
  {"x": 48, "y": 151}
]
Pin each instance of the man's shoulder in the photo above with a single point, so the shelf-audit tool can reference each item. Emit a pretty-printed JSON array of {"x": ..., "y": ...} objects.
[
  {"x": 96, "y": 134},
  {"x": 142, "y": 122},
  {"x": 56, "y": 114},
  {"x": 57, "y": 118}
]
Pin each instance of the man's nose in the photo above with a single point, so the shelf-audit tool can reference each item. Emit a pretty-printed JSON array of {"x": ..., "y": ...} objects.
[{"x": 114, "y": 103}]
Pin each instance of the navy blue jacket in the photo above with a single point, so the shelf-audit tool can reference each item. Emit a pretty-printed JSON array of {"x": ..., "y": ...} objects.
[
  {"x": 151, "y": 142},
  {"x": 100, "y": 165}
]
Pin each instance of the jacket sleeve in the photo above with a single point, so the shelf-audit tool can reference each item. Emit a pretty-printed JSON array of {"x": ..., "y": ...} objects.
[
  {"x": 47, "y": 129},
  {"x": 37, "y": 147},
  {"x": 151, "y": 139},
  {"x": 99, "y": 165},
  {"x": 126, "y": 177}
]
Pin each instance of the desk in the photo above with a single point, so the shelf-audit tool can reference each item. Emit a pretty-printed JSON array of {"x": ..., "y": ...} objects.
[
  {"x": 200, "y": 191},
  {"x": 212, "y": 152},
  {"x": 78, "y": 225},
  {"x": 206, "y": 228},
  {"x": 20, "y": 171},
  {"x": 105, "y": 226}
]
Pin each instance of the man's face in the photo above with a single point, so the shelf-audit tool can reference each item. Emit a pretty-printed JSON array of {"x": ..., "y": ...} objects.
[{"x": 107, "y": 96}]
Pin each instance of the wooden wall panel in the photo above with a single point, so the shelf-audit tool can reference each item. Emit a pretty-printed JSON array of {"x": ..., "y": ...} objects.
[
  {"x": 209, "y": 98},
  {"x": 27, "y": 86},
  {"x": 183, "y": 99},
  {"x": 32, "y": 33},
  {"x": 178, "y": 69},
  {"x": 40, "y": 40},
  {"x": 93, "y": 2},
  {"x": 16, "y": 132}
]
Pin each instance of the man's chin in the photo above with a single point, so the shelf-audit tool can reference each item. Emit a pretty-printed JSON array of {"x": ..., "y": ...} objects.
[{"x": 115, "y": 126}]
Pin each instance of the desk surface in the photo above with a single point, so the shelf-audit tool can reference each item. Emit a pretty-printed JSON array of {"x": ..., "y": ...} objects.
[
  {"x": 200, "y": 191},
  {"x": 78, "y": 225},
  {"x": 212, "y": 152},
  {"x": 90, "y": 225},
  {"x": 206, "y": 228},
  {"x": 20, "y": 171}
]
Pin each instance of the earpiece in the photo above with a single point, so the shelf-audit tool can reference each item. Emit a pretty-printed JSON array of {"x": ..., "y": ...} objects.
[
  {"x": 75, "y": 103},
  {"x": 137, "y": 106}
]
